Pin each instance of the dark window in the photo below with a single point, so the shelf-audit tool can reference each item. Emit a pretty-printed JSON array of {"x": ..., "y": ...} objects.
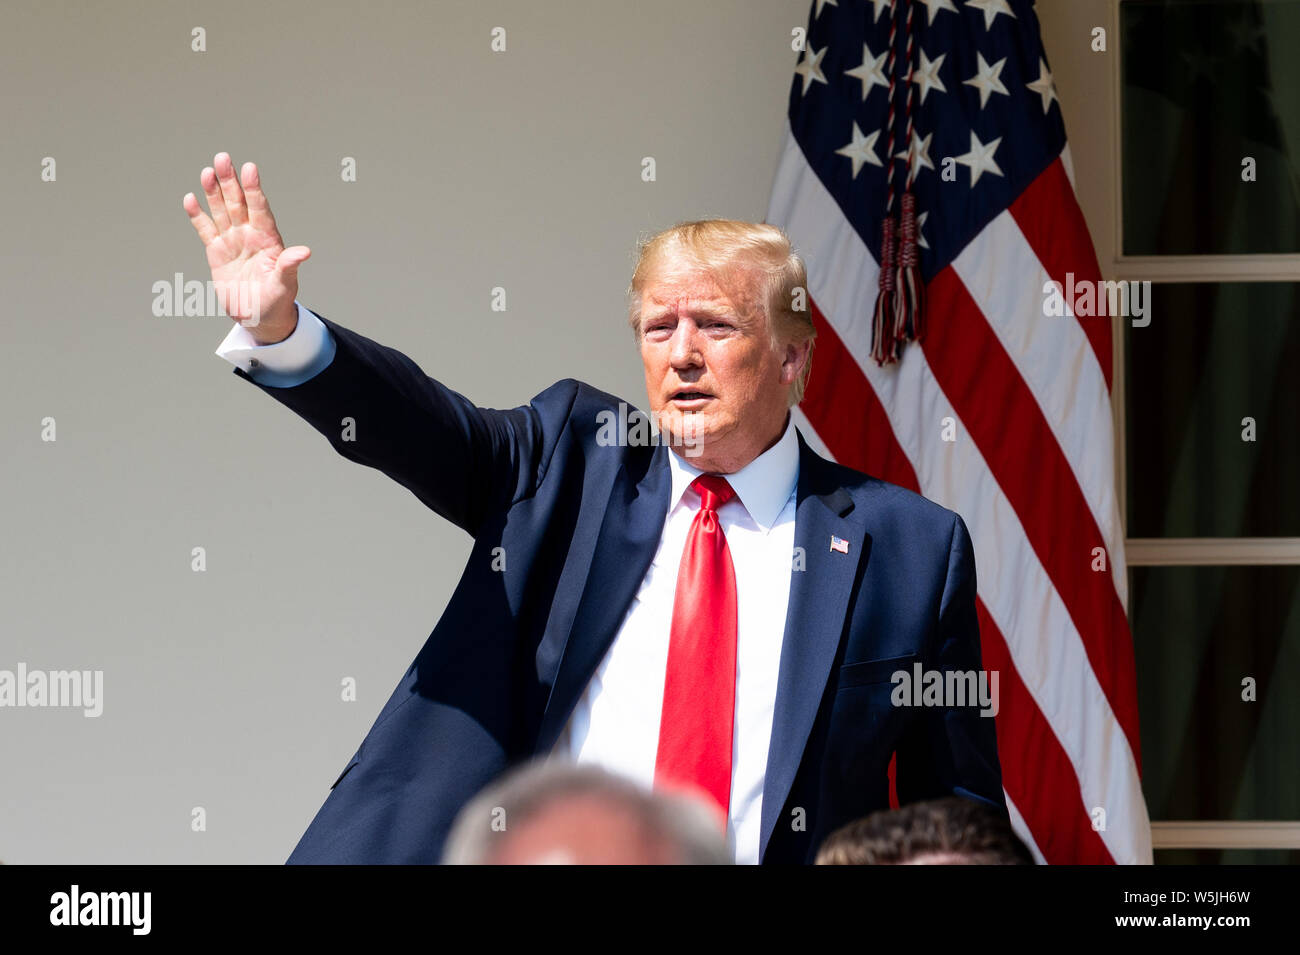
[
  {"x": 1206, "y": 85},
  {"x": 1198, "y": 632},
  {"x": 1214, "y": 355}
]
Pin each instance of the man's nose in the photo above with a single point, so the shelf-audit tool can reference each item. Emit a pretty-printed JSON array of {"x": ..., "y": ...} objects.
[{"x": 685, "y": 351}]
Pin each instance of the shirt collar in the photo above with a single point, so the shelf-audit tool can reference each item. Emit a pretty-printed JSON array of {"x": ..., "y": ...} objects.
[{"x": 763, "y": 485}]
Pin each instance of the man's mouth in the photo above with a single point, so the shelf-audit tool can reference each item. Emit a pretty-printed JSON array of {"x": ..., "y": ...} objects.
[{"x": 686, "y": 396}]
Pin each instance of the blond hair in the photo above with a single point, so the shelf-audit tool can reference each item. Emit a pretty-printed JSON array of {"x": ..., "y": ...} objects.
[{"x": 752, "y": 262}]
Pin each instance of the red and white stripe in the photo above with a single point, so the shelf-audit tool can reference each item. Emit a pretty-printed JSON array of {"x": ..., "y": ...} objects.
[{"x": 1031, "y": 472}]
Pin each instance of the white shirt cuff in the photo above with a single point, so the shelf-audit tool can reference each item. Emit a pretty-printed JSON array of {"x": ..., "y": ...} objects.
[{"x": 307, "y": 350}]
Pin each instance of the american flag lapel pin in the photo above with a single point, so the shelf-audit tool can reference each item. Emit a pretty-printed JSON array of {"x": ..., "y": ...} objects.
[{"x": 839, "y": 544}]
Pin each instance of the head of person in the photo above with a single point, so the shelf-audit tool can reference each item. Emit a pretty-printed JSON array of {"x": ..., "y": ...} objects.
[
  {"x": 719, "y": 310},
  {"x": 950, "y": 831},
  {"x": 548, "y": 812}
]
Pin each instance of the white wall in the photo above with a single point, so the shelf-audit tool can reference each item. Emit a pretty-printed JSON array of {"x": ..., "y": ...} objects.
[{"x": 475, "y": 170}]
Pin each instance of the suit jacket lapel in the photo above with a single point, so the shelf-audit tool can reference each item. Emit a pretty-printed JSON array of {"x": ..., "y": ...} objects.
[
  {"x": 629, "y": 536},
  {"x": 814, "y": 622}
]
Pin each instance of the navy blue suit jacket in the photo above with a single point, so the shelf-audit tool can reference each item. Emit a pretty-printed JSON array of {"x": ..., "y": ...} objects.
[{"x": 580, "y": 522}]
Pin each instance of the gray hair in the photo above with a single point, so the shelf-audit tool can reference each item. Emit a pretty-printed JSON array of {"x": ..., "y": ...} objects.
[{"x": 673, "y": 820}]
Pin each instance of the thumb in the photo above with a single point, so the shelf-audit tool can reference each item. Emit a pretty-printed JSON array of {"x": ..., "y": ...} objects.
[{"x": 292, "y": 257}]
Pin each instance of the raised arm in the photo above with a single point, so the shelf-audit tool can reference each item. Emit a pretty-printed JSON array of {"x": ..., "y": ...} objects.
[
  {"x": 376, "y": 407},
  {"x": 373, "y": 404}
]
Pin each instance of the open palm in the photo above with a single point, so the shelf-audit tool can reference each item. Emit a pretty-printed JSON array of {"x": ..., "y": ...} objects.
[{"x": 255, "y": 276}]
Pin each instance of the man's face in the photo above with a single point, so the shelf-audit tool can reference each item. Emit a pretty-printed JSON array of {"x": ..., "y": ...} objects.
[{"x": 713, "y": 379}]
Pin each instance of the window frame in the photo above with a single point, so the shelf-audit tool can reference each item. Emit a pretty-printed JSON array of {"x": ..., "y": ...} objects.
[{"x": 1099, "y": 188}]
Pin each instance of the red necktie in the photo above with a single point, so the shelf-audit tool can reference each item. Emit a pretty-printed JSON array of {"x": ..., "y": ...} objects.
[{"x": 700, "y": 684}]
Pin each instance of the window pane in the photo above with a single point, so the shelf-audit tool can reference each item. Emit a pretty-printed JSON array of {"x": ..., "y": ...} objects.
[
  {"x": 1198, "y": 632},
  {"x": 1213, "y": 356},
  {"x": 1227, "y": 857},
  {"x": 1204, "y": 86}
]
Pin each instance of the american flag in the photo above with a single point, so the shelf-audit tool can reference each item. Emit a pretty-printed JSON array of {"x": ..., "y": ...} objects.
[{"x": 996, "y": 410}]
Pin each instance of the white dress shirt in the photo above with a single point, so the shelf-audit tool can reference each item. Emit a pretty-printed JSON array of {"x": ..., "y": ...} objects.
[{"x": 615, "y": 723}]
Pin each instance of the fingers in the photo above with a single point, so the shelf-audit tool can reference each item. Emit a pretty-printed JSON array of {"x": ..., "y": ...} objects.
[
  {"x": 217, "y": 205},
  {"x": 230, "y": 190},
  {"x": 259, "y": 210},
  {"x": 202, "y": 224}
]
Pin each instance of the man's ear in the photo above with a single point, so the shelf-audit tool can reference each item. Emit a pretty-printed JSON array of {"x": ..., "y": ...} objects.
[{"x": 793, "y": 360}]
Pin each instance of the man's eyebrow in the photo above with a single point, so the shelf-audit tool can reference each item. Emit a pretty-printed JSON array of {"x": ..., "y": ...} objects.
[{"x": 716, "y": 311}]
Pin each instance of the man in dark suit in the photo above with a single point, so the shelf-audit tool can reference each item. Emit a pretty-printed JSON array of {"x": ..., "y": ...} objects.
[{"x": 721, "y": 610}]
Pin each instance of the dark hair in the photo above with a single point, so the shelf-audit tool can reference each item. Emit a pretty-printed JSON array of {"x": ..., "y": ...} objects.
[{"x": 976, "y": 833}]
